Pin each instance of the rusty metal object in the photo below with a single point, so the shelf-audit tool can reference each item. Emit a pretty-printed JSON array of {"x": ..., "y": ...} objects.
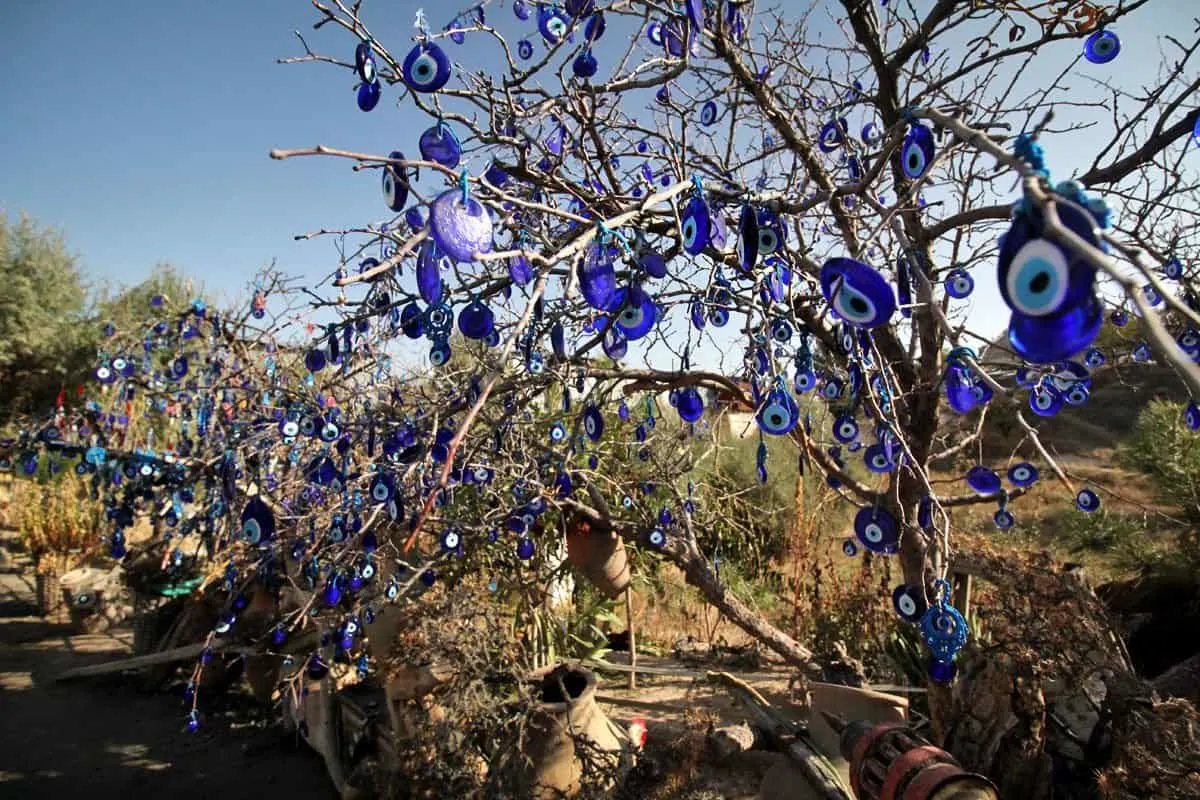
[{"x": 888, "y": 761}]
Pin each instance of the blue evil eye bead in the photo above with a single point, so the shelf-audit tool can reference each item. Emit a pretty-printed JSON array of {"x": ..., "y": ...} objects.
[
  {"x": 584, "y": 65},
  {"x": 1022, "y": 475},
  {"x": 983, "y": 480},
  {"x": 690, "y": 404},
  {"x": 1141, "y": 353},
  {"x": 1101, "y": 47},
  {"x": 959, "y": 284},
  {"x": 521, "y": 9},
  {"x": 1094, "y": 358},
  {"x": 1045, "y": 401},
  {"x": 525, "y": 49},
  {"x": 654, "y": 264},
  {"x": 525, "y": 549},
  {"x": 597, "y": 277},
  {"x": 553, "y": 24},
  {"x": 708, "y": 113},
  {"x": 439, "y": 144},
  {"x": 1076, "y": 394},
  {"x": 460, "y": 229},
  {"x": 876, "y": 530},
  {"x": 916, "y": 153},
  {"x": 1173, "y": 269},
  {"x": 383, "y": 487},
  {"x": 944, "y": 631},
  {"x": 1087, "y": 500},
  {"x": 778, "y": 414},
  {"x": 909, "y": 602},
  {"x": 636, "y": 314},
  {"x": 412, "y": 321},
  {"x": 878, "y": 459},
  {"x": 925, "y": 513},
  {"x": 654, "y": 34},
  {"x": 845, "y": 429},
  {"x": 558, "y": 432},
  {"x": 439, "y": 354},
  {"x": 314, "y": 360},
  {"x": 593, "y": 423},
  {"x": 451, "y": 540},
  {"x": 535, "y": 364},
  {"x": 832, "y": 389},
  {"x": 426, "y": 68},
  {"x": 428, "y": 273},
  {"x": 364, "y": 63},
  {"x": 1119, "y": 317},
  {"x": 656, "y": 539},
  {"x": 695, "y": 226},
  {"x": 258, "y": 523},
  {"x": 960, "y": 389},
  {"x": 1003, "y": 519},
  {"x": 520, "y": 270},
  {"x": 395, "y": 183},
  {"x": 595, "y": 27},
  {"x": 329, "y": 431},
  {"x": 769, "y": 235},
  {"x": 476, "y": 321},
  {"x": 857, "y": 293},
  {"x": 747, "y": 238},
  {"x": 696, "y": 310},
  {"x": 849, "y": 547},
  {"x": 871, "y": 134},
  {"x": 832, "y": 134},
  {"x": 804, "y": 381},
  {"x": 1191, "y": 416},
  {"x": 368, "y": 96}
]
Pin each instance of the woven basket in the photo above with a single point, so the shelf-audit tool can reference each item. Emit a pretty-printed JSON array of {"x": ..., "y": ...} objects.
[{"x": 49, "y": 593}]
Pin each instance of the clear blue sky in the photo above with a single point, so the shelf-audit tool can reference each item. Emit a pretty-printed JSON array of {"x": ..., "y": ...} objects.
[{"x": 142, "y": 130}]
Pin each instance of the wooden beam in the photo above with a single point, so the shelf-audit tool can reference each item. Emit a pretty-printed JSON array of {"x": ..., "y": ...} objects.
[{"x": 137, "y": 662}]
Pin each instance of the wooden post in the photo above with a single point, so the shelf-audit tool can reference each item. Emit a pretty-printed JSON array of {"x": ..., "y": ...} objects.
[{"x": 632, "y": 640}]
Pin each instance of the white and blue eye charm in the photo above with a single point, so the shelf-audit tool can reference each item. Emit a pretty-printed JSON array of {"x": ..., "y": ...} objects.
[
  {"x": 695, "y": 226},
  {"x": 778, "y": 414},
  {"x": 709, "y": 113},
  {"x": 1101, "y": 47},
  {"x": 959, "y": 284},
  {"x": 857, "y": 293},
  {"x": 916, "y": 153},
  {"x": 426, "y": 68},
  {"x": 258, "y": 522}
]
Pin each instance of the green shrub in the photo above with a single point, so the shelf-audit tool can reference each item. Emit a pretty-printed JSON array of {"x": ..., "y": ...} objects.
[{"x": 1162, "y": 447}]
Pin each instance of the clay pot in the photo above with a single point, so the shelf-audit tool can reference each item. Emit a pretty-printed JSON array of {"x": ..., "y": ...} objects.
[
  {"x": 566, "y": 728},
  {"x": 599, "y": 554}
]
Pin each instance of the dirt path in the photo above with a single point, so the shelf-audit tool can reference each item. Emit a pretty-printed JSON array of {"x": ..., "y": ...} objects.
[{"x": 104, "y": 739}]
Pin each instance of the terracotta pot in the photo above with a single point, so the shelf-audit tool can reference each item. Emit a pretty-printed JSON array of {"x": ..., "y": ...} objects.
[
  {"x": 600, "y": 555},
  {"x": 563, "y": 732},
  {"x": 49, "y": 593}
]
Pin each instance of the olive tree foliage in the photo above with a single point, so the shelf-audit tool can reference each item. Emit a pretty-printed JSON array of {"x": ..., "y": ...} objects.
[
  {"x": 42, "y": 309},
  {"x": 564, "y": 162}
]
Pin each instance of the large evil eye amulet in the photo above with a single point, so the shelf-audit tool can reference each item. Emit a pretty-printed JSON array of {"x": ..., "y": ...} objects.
[
  {"x": 857, "y": 293},
  {"x": 959, "y": 284},
  {"x": 461, "y": 229},
  {"x": 426, "y": 68},
  {"x": 1049, "y": 288},
  {"x": 1101, "y": 47},
  {"x": 553, "y": 24}
]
